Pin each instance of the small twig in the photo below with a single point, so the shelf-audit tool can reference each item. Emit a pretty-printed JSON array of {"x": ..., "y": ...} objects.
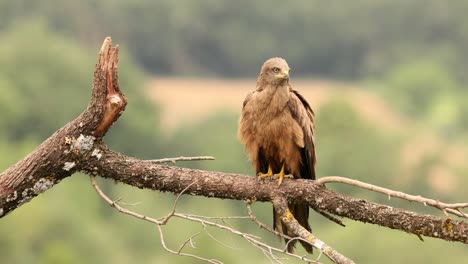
[
  {"x": 291, "y": 240},
  {"x": 214, "y": 238},
  {"x": 201, "y": 221},
  {"x": 214, "y": 261},
  {"x": 218, "y": 217},
  {"x": 330, "y": 217},
  {"x": 174, "y": 160},
  {"x": 129, "y": 204},
  {"x": 254, "y": 240},
  {"x": 457, "y": 212},
  {"x": 118, "y": 207},
  {"x": 262, "y": 225},
  {"x": 420, "y": 237},
  {"x": 453, "y": 208},
  {"x": 151, "y": 220},
  {"x": 187, "y": 241},
  {"x": 166, "y": 218}
]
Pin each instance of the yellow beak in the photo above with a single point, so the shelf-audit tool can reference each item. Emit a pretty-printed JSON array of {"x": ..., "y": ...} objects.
[{"x": 284, "y": 74}]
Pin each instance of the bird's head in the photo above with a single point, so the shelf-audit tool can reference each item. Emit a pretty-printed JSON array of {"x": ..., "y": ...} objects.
[{"x": 274, "y": 71}]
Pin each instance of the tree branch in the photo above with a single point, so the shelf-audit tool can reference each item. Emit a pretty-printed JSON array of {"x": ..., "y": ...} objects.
[
  {"x": 63, "y": 153},
  {"x": 78, "y": 146},
  {"x": 174, "y": 160},
  {"x": 445, "y": 207},
  {"x": 281, "y": 207},
  {"x": 145, "y": 174},
  {"x": 269, "y": 251}
]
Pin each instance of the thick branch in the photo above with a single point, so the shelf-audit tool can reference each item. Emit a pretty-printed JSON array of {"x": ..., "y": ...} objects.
[
  {"x": 281, "y": 207},
  {"x": 453, "y": 208},
  {"x": 145, "y": 174},
  {"x": 63, "y": 153},
  {"x": 269, "y": 251}
]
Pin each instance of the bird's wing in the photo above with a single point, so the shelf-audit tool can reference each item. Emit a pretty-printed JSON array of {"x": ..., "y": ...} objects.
[
  {"x": 247, "y": 98},
  {"x": 246, "y": 136},
  {"x": 304, "y": 116}
]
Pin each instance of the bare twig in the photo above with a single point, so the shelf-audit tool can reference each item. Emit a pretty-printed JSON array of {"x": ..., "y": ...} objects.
[
  {"x": 118, "y": 207},
  {"x": 214, "y": 261},
  {"x": 188, "y": 241},
  {"x": 214, "y": 238},
  {"x": 453, "y": 208},
  {"x": 218, "y": 217},
  {"x": 151, "y": 220},
  {"x": 166, "y": 218},
  {"x": 174, "y": 160},
  {"x": 262, "y": 225},
  {"x": 129, "y": 204},
  {"x": 254, "y": 240},
  {"x": 331, "y": 217}
]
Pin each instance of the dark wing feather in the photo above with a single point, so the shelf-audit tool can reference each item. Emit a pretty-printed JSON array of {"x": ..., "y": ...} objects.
[
  {"x": 304, "y": 116},
  {"x": 262, "y": 162}
]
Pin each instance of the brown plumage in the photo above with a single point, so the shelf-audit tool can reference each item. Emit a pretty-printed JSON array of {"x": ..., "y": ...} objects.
[{"x": 277, "y": 129}]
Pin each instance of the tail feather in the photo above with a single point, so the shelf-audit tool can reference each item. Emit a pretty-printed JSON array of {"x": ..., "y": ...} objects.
[{"x": 301, "y": 213}]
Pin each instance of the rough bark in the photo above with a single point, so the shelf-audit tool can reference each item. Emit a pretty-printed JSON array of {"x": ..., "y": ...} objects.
[
  {"x": 78, "y": 146},
  {"x": 144, "y": 174},
  {"x": 62, "y": 154}
]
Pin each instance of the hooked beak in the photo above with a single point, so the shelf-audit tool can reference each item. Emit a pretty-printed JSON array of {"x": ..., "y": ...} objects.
[{"x": 284, "y": 74}]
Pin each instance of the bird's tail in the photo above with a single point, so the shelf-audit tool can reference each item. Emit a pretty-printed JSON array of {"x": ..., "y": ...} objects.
[{"x": 301, "y": 214}]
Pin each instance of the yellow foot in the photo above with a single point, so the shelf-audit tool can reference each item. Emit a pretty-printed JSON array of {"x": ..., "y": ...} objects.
[
  {"x": 281, "y": 175},
  {"x": 262, "y": 176}
]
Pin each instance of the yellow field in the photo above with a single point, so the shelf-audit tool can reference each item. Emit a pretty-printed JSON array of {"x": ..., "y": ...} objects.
[{"x": 185, "y": 100}]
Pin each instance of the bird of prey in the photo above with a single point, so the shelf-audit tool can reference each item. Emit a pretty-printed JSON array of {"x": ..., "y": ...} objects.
[{"x": 276, "y": 128}]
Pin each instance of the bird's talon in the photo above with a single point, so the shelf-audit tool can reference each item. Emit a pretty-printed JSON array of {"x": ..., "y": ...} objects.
[
  {"x": 262, "y": 176},
  {"x": 280, "y": 180},
  {"x": 281, "y": 175}
]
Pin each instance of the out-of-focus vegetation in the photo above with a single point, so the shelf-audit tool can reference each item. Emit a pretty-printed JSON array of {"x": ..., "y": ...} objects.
[
  {"x": 46, "y": 79},
  {"x": 411, "y": 53},
  {"x": 346, "y": 39}
]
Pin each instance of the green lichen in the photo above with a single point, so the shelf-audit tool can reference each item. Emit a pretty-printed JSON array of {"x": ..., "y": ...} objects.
[
  {"x": 287, "y": 216},
  {"x": 421, "y": 231},
  {"x": 447, "y": 227}
]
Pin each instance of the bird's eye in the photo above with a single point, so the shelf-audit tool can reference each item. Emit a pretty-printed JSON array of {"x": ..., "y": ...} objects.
[{"x": 276, "y": 70}]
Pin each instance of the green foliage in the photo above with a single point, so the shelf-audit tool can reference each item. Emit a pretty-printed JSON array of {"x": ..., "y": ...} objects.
[
  {"x": 416, "y": 88},
  {"x": 215, "y": 136},
  {"x": 348, "y": 145},
  {"x": 426, "y": 90},
  {"x": 47, "y": 82},
  {"x": 35, "y": 74},
  {"x": 350, "y": 39}
]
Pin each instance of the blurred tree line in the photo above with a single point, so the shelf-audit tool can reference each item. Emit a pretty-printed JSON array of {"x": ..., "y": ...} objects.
[
  {"x": 411, "y": 53},
  {"x": 341, "y": 39}
]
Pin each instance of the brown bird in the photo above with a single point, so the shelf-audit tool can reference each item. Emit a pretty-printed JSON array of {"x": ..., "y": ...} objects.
[{"x": 277, "y": 130}]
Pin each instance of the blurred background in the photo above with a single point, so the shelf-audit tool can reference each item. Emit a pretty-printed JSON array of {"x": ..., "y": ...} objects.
[{"x": 387, "y": 80}]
